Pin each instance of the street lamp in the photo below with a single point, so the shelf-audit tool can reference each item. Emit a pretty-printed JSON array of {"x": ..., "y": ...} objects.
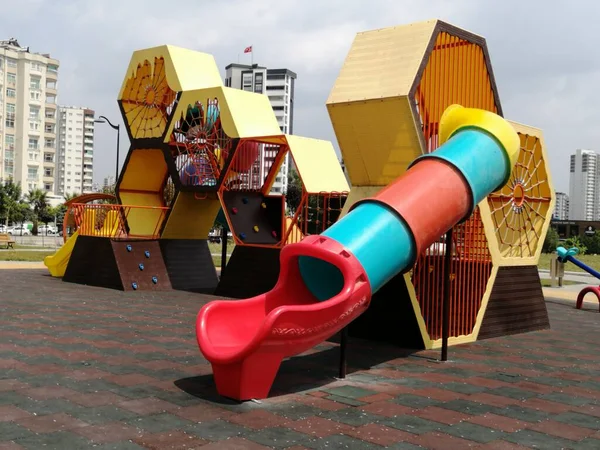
[{"x": 103, "y": 119}]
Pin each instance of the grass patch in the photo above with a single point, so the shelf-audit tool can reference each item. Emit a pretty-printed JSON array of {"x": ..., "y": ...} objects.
[
  {"x": 16, "y": 255},
  {"x": 547, "y": 283},
  {"x": 591, "y": 260}
]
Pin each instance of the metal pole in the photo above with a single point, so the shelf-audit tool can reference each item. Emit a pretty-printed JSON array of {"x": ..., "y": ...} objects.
[
  {"x": 223, "y": 250},
  {"x": 446, "y": 297},
  {"x": 343, "y": 348},
  {"x": 117, "y": 168}
]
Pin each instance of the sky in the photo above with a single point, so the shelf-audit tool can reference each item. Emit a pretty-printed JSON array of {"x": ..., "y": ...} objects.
[{"x": 544, "y": 57}]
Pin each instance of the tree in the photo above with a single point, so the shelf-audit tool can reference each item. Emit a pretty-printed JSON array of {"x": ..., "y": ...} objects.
[
  {"x": 575, "y": 241},
  {"x": 293, "y": 195},
  {"x": 592, "y": 243},
  {"x": 70, "y": 196},
  {"x": 39, "y": 203},
  {"x": 12, "y": 207},
  {"x": 551, "y": 241}
]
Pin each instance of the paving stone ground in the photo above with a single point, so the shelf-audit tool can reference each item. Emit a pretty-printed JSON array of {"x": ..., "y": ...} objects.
[{"x": 83, "y": 367}]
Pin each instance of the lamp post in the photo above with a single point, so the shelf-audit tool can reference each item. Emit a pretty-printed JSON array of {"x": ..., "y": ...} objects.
[{"x": 103, "y": 119}]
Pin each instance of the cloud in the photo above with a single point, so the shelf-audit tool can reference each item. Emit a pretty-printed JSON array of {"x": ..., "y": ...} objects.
[{"x": 543, "y": 53}]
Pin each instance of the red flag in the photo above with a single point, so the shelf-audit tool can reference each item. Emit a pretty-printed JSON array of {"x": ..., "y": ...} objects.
[{"x": 248, "y": 49}]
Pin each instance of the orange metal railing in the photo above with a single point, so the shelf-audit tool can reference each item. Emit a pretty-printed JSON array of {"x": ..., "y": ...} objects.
[
  {"x": 110, "y": 221},
  {"x": 456, "y": 72}
]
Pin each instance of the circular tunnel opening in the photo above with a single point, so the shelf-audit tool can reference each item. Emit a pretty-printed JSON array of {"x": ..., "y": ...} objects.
[{"x": 324, "y": 280}]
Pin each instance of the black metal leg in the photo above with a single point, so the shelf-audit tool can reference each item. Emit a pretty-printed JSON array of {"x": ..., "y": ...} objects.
[
  {"x": 223, "y": 250},
  {"x": 343, "y": 348},
  {"x": 446, "y": 297}
]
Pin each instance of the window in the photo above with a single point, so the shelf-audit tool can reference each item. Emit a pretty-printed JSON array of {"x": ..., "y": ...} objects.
[
  {"x": 9, "y": 170},
  {"x": 275, "y": 77},
  {"x": 258, "y": 83},
  {"x": 50, "y": 84},
  {"x": 11, "y": 93},
  {"x": 36, "y": 66},
  {"x": 51, "y": 99},
  {"x": 48, "y": 172},
  {"x": 10, "y": 115},
  {"x": 33, "y": 156},
  {"x": 48, "y": 157},
  {"x": 32, "y": 173},
  {"x": 33, "y": 144},
  {"x": 9, "y": 141},
  {"x": 277, "y": 108},
  {"x": 11, "y": 78},
  {"x": 247, "y": 82},
  {"x": 274, "y": 88},
  {"x": 35, "y": 95},
  {"x": 47, "y": 186},
  {"x": 10, "y": 62},
  {"x": 34, "y": 125},
  {"x": 50, "y": 114},
  {"x": 49, "y": 128},
  {"x": 34, "y": 113},
  {"x": 52, "y": 68},
  {"x": 35, "y": 83}
]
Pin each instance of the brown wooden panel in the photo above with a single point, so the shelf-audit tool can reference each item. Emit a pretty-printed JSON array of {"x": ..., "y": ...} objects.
[
  {"x": 93, "y": 263},
  {"x": 142, "y": 263},
  {"x": 516, "y": 304}
]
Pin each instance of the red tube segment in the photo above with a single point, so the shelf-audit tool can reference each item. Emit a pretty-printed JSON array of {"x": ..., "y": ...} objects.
[{"x": 431, "y": 197}]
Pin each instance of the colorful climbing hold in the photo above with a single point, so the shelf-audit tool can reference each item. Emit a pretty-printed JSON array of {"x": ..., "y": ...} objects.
[
  {"x": 134, "y": 286},
  {"x": 234, "y": 210},
  {"x": 274, "y": 234},
  {"x": 263, "y": 205},
  {"x": 155, "y": 280},
  {"x": 128, "y": 248},
  {"x": 255, "y": 228},
  {"x": 141, "y": 266},
  {"x": 245, "y": 200},
  {"x": 147, "y": 253},
  {"x": 242, "y": 236}
]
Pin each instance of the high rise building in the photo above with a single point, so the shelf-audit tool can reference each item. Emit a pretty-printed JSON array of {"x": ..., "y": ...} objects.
[
  {"x": 28, "y": 91},
  {"x": 75, "y": 155},
  {"x": 561, "y": 208},
  {"x": 278, "y": 85},
  {"x": 584, "y": 186}
]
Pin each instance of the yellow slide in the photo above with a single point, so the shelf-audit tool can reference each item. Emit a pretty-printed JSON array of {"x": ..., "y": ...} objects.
[{"x": 57, "y": 263}]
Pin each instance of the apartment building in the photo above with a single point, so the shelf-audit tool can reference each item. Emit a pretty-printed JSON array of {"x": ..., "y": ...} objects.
[
  {"x": 75, "y": 151},
  {"x": 561, "y": 207},
  {"x": 278, "y": 85},
  {"x": 584, "y": 186},
  {"x": 28, "y": 93}
]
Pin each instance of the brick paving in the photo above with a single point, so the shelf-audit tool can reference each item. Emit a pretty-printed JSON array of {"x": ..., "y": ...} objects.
[{"x": 82, "y": 367}]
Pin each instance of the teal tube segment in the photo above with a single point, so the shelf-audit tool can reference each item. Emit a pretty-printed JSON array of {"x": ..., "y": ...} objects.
[
  {"x": 485, "y": 173},
  {"x": 376, "y": 236}
]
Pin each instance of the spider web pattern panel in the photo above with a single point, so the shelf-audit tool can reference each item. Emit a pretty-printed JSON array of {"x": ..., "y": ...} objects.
[
  {"x": 199, "y": 146},
  {"x": 520, "y": 208},
  {"x": 148, "y": 101}
]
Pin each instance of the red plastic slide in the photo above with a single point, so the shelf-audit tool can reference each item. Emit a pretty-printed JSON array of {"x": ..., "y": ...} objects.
[{"x": 246, "y": 340}]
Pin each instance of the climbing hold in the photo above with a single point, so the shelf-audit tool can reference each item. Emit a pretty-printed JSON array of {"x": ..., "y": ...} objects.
[
  {"x": 245, "y": 200},
  {"x": 263, "y": 205},
  {"x": 154, "y": 280},
  {"x": 274, "y": 234},
  {"x": 242, "y": 236},
  {"x": 147, "y": 253},
  {"x": 128, "y": 248},
  {"x": 234, "y": 210},
  {"x": 141, "y": 266},
  {"x": 134, "y": 286},
  {"x": 255, "y": 228}
]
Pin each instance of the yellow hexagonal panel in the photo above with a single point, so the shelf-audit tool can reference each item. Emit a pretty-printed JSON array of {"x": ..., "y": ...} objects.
[
  {"x": 517, "y": 216},
  {"x": 154, "y": 78}
]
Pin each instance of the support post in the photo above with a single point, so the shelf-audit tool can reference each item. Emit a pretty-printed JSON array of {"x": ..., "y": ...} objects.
[
  {"x": 223, "y": 250},
  {"x": 446, "y": 297},
  {"x": 343, "y": 348}
]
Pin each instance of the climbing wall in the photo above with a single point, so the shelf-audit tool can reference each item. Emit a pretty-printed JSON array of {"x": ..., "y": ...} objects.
[
  {"x": 256, "y": 219},
  {"x": 141, "y": 265}
]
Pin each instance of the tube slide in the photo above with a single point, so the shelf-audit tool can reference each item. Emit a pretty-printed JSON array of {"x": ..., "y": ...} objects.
[
  {"x": 565, "y": 255},
  {"x": 326, "y": 281}
]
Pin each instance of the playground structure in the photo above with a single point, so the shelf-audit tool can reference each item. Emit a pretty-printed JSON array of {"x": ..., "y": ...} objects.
[
  {"x": 196, "y": 147},
  {"x": 390, "y": 96},
  {"x": 568, "y": 255}
]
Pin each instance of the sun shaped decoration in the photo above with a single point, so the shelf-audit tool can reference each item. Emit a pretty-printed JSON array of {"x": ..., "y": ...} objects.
[
  {"x": 199, "y": 145},
  {"x": 147, "y": 100},
  {"x": 520, "y": 209}
]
